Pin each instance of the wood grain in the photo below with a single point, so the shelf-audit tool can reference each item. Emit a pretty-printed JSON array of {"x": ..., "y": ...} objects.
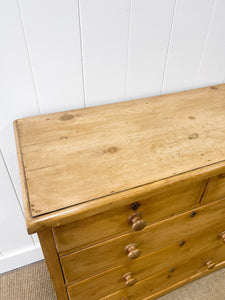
[
  {"x": 53, "y": 264},
  {"x": 152, "y": 287},
  {"x": 153, "y": 208},
  {"x": 215, "y": 189},
  {"x": 203, "y": 246},
  {"x": 104, "y": 142},
  {"x": 103, "y": 256},
  {"x": 162, "y": 153},
  {"x": 185, "y": 281},
  {"x": 90, "y": 208}
]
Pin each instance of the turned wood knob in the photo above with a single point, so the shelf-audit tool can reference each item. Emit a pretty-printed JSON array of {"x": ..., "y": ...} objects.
[
  {"x": 132, "y": 251},
  {"x": 222, "y": 236},
  {"x": 129, "y": 279},
  {"x": 137, "y": 222},
  {"x": 210, "y": 264}
]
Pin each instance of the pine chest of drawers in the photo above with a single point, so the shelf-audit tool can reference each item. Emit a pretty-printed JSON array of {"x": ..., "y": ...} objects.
[{"x": 128, "y": 199}]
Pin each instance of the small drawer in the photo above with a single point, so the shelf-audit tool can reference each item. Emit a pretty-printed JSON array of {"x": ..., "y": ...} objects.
[
  {"x": 153, "y": 287},
  {"x": 215, "y": 189},
  {"x": 98, "y": 258},
  {"x": 204, "y": 246},
  {"x": 100, "y": 227}
]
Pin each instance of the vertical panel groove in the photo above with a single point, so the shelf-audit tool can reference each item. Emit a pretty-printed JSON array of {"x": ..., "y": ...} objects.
[
  {"x": 28, "y": 55},
  {"x": 7, "y": 170},
  {"x": 148, "y": 44},
  {"x": 182, "y": 39},
  {"x": 168, "y": 48},
  {"x": 104, "y": 28},
  {"x": 81, "y": 51},
  {"x": 11, "y": 180},
  {"x": 128, "y": 49},
  {"x": 205, "y": 44}
]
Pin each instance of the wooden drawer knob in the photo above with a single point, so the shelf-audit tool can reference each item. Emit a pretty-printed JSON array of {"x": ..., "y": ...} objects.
[
  {"x": 129, "y": 279},
  {"x": 210, "y": 265},
  {"x": 222, "y": 236},
  {"x": 132, "y": 251},
  {"x": 137, "y": 222}
]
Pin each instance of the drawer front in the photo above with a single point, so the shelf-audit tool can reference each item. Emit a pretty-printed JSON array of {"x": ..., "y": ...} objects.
[
  {"x": 153, "y": 287},
  {"x": 215, "y": 189},
  {"x": 97, "y": 228},
  {"x": 103, "y": 256},
  {"x": 204, "y": 247}
]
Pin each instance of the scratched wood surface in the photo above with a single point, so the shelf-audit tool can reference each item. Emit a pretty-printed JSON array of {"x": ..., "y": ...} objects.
[
  {"x": 154, "y": 208},
  {"x": 153, "y": 287},
  {"x": 110, "y": 253},
  {"x": 71, "y": 54},
  {"x": 164, "y": 260},
  {"x": 81, "y": 155}
]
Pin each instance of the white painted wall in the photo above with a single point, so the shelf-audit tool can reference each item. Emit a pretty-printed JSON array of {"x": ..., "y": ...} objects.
[{"x": 66, "y": 54}]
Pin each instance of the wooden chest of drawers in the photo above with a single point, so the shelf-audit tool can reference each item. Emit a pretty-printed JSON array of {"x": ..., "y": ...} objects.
[{"x": 128, "y": 199}]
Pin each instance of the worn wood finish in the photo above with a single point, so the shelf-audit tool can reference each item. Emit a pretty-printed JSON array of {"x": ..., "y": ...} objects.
[
  {"x": 128, "y": 197},
  {"x": 26, "y": 203},
  {"x": 185, "y": 281},
  {"x": 87, "y": 209},
  {"x": 153, "y": 287},
  {"x": 104, "y": 142},
  {"x": 215, "y": 189},
  {"x": 203, "y": 246},
  {"x": 76, "y": 235},
  {"x": 100, "y": 257},
  {"x": 53, "y": 264}
]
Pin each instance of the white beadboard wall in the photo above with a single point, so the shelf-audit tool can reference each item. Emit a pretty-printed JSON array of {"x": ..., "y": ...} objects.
[{"x": 66, "y": 54}]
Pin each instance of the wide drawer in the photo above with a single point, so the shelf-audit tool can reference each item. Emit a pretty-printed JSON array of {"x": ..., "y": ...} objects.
[
  {"x": 215, "y": 189},
  {"x": 80, "y": 234},
  {"x": 205, "y": 247},
  {"x": 155, "y": 286},
  {"x": 103, "y": 256}
]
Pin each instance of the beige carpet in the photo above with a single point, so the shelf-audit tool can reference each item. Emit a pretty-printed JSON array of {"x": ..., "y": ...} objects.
[{"x": 33, "y": 283}]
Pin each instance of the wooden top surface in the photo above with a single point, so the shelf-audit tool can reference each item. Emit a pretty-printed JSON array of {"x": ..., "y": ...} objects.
[{"x": 83, "y": 155}]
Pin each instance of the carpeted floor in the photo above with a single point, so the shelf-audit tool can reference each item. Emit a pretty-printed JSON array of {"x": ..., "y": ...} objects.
[{"x": 33, "y": 283}]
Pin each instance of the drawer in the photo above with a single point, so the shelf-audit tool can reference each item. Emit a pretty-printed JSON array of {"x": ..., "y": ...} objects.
[
  {"x": 155, "y": 286},
  {"x": 203, "y": 246},
  {"x": 103, "y": 256},
  {"x": 114, "y": 222},
  {"x": 215, "y": 189}
]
